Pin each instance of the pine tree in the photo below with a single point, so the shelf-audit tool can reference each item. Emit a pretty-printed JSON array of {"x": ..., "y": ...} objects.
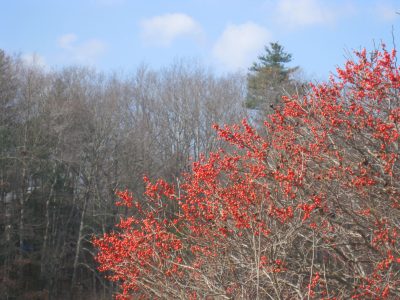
[{"x": 268, "y": 78}]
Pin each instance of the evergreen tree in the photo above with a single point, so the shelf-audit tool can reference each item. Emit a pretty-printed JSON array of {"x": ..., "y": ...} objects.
[{"x": 268, "y": 78}]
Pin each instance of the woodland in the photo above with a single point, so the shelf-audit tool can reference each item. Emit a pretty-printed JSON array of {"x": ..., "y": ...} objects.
[{"x": 180, "y": 183}]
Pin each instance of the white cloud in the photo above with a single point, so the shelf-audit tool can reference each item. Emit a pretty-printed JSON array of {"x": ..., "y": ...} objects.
[
  {"x": 82, "y": 52},
  {"x": 386, "y": 12},
  {"x": 239, "y": 45},
  {"x": 65, "y": 41},
  {"x": 34, "y": 60},
  {"x": 163, "y": 30},
  {"x": 89, "y": 50},
  {"x": 304, "y": 12}
]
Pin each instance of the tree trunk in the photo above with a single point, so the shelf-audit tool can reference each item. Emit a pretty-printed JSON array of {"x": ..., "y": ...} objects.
[{"x": 79, "y": 240}]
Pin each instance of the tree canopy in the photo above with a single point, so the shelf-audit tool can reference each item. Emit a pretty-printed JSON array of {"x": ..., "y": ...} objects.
[{"x": 275, "y": 57}]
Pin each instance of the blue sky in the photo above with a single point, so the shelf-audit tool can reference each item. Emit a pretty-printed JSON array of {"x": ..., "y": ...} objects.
[{"x": 226, "y": 35}]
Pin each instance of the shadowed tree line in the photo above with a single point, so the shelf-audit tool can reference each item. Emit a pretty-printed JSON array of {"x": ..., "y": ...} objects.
[{"x": 70, "y": 138}]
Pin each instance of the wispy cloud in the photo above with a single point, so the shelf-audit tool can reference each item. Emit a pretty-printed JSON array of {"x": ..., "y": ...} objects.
[
  {"x": 86, "y": 52},
  {"x": 387, "y": 12},
  {"x": 34, "y": 60},
  {"x": 66, "y": 41},
  {"x": 293, "y": 13},
  {"x": 239, "y": 45},
  {"x": 164, "y": 29}
]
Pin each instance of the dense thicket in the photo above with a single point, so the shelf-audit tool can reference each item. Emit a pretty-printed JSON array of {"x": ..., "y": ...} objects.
[
  {"x": 307, "y": 207},
  {"x": 69, "y": 139}
]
